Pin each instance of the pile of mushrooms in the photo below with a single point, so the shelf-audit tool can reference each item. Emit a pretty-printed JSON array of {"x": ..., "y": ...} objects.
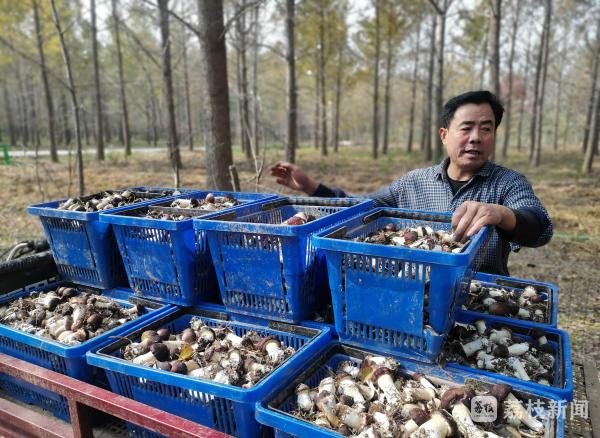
[
  {"x": 66, "y": 315},
  {"x": 209, "y": 204},
  {"x": 416, "y": 237},
  {"x": 374, "y": 400},
  {"x": 527, "y": 304},
  {"x": 107, "y": 200},
  {"x": 212, "y": 353},
  {"x": 497, "y": 350}
]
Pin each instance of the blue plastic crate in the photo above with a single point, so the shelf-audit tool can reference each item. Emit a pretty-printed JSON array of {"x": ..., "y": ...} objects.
[
  {"x": 562, "y": 386},
  {"x": 64, "y": 359},
  {"x": 276, "y": 411},
  {"x": 163, "y": 259},
  {"x": 226, "y": 408},
  {"x": 270, "y": 270},
  {"x": 396, "y": 299},
  {"x": 84, "y": 248},
  {"x": 548, "y": 291}
]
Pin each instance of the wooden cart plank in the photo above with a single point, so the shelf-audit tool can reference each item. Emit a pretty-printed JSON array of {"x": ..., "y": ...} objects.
[
  {"x": 22, "y": 421},
  {"x": 592, "y": 390}
]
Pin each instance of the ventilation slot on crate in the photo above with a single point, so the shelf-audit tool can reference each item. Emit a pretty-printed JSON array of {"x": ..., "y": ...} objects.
[
  {"x": 57, "y": 223},
  {"x": 78, "y": 273},
  {"x": 155, "y": 288}
]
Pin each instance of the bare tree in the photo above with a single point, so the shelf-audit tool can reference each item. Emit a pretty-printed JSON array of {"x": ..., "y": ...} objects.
[
  {"x": 594, "y": 127},
  {"x": 496, "y": 19},
  {"x": 292, "y": 94},
  {"x": 124, "y": 112},
  {"x": 593, "y": 91},
  {"x": 173, "y": 144},
  {"x": 97, "y": 88},
  {"x": 186, "y": 85},
  {"x": 524, "y": 97},
  {"x": 442, "y": 10},
  {"x": 255, "y": 98},
  {"x": 73, "y": 93},
  {"x": 427, "y": 110},
  {"x": 45, "y": 82},
  {"x": 241, "y": 46},
  {"x": 322, "y": 76},
  {"x": 511, "y": 58},
  {"x": 543, "y": 65},
  {"x": 341, "y": 48},
  {"x": 375, "y": 146},
  {"x": 9, "y": 116},
  {"x": 218, "y": 133},
  {"x": 413, "y": 91},
  {"x": 561, "y": 73}
]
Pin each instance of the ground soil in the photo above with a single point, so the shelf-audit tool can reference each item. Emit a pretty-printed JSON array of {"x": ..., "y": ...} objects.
[{"x": 570, "y": 260}]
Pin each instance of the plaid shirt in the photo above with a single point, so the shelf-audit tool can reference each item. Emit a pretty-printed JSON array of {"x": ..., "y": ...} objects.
[{"x": 429, "y": 189}]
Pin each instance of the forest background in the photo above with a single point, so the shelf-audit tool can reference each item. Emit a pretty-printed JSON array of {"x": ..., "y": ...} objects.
[{"x": 103, "y": 94}]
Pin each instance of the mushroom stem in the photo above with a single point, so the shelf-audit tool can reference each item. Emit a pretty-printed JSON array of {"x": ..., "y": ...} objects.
[
  {"x": 520, "y": 414},
  {"x": 465, "y": 424}
]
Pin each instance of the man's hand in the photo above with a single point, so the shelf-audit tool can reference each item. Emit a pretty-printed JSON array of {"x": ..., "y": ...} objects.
[
  {"x": 293, "y": 176},
  {"x": 471, "y": 216}
]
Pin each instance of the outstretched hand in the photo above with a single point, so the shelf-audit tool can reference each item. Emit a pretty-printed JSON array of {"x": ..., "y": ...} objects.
[
  {"x": 292, "y": 176},
  {"x": 471, "y": 216}
]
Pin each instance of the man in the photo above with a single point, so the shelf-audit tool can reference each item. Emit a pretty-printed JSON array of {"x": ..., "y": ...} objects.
[{"x": 478, "y": 191}]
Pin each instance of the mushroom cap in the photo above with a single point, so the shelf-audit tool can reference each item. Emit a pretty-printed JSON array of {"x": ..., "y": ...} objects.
[
  {"x": 164, "y": 333},
  {"x": 500, "y": 309},
  {"x": 262, "y": 344},
  {"x": 501, "y": 350},
  {"x": 500, "y": 391},
  {"x": 378, "y": 373},
  {"x": 189, "y": 336},
  {"x": 178, "y": 366},
  {"x": 419, "y": 415},
  {"x": 160, "y": 351},
  {"x": 461, "y": 394}
]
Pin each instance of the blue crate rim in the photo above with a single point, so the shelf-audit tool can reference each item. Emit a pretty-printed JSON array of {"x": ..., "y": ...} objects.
[
  {"x": 102, "y": 358},
  {"x": 49, "y": 209},
  {"x": 117, "y": 217},
  {"x": 66, "y": 351},
  {"x": 323, "y": 241},
  {"x": 268, "y": 413},
  {"x": 230, "y": 225}
]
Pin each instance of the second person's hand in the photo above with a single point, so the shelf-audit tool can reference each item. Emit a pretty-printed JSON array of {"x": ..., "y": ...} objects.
[{"x": 293, "y": 177}]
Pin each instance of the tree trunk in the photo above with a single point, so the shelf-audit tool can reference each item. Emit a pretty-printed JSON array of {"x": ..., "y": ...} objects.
[
  {"x": 155, "y": 120},
  {"x": 84, "y": 123},
  {"x": 561, "y": 72},
  {"x": 124, "y": 112},
  {"x": 511, "y": 58},
  {"x": 323, "y": 92},
  {"x": 255, "y": 105},
  {"x": 173, "y": 145},
  {"x": 34, "y": 125},
  {"x": 536, "y": 94},
  {"x": 495, "y": 59},
  {"x": 9, "y": 116},
  {"x": 593, "y": 91},
  {"x": 413, "y": 92},
  {"x": 99, "y": 118},
  {"x": 338, "y": 97},
  {"x": 23, "y": 106},
  {"x": 73, "y": 93},
  {"x": 186, "y": 85},
  {"x": 317, "y": 112},
  {"x": 524, "y": 98},
  {"x": 427, "y": 110},
  {"x": 540, "y": 113},
  {"x": 387, "y": 98},
  {"x": 375, "y": 146},
  {"x": 218, "y": 147},
  {"x": 439, "y": 88},
  {"x": 242, "y": 34},
  {"x": 66, "y": 131},
  {"x": 46, "y": 83},
  {"x": 148, "y": 114},
  {"x": 594, "y": 128},
  {"x": 292, "y": 95},
  {"x": 484, "y": 59}
]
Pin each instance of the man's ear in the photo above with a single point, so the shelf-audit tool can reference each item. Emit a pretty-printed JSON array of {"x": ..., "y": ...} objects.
[{"x": 443, "y": 134}]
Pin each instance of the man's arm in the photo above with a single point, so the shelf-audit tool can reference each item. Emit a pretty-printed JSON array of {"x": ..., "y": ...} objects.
[{"x": 521, "y": 219}]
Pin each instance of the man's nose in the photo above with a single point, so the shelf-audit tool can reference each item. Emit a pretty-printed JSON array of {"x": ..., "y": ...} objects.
[{"x": 475, "y": 136}]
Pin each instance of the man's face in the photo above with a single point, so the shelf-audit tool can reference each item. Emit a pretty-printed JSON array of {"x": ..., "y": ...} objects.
[{"x": 469, "y": 139}]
